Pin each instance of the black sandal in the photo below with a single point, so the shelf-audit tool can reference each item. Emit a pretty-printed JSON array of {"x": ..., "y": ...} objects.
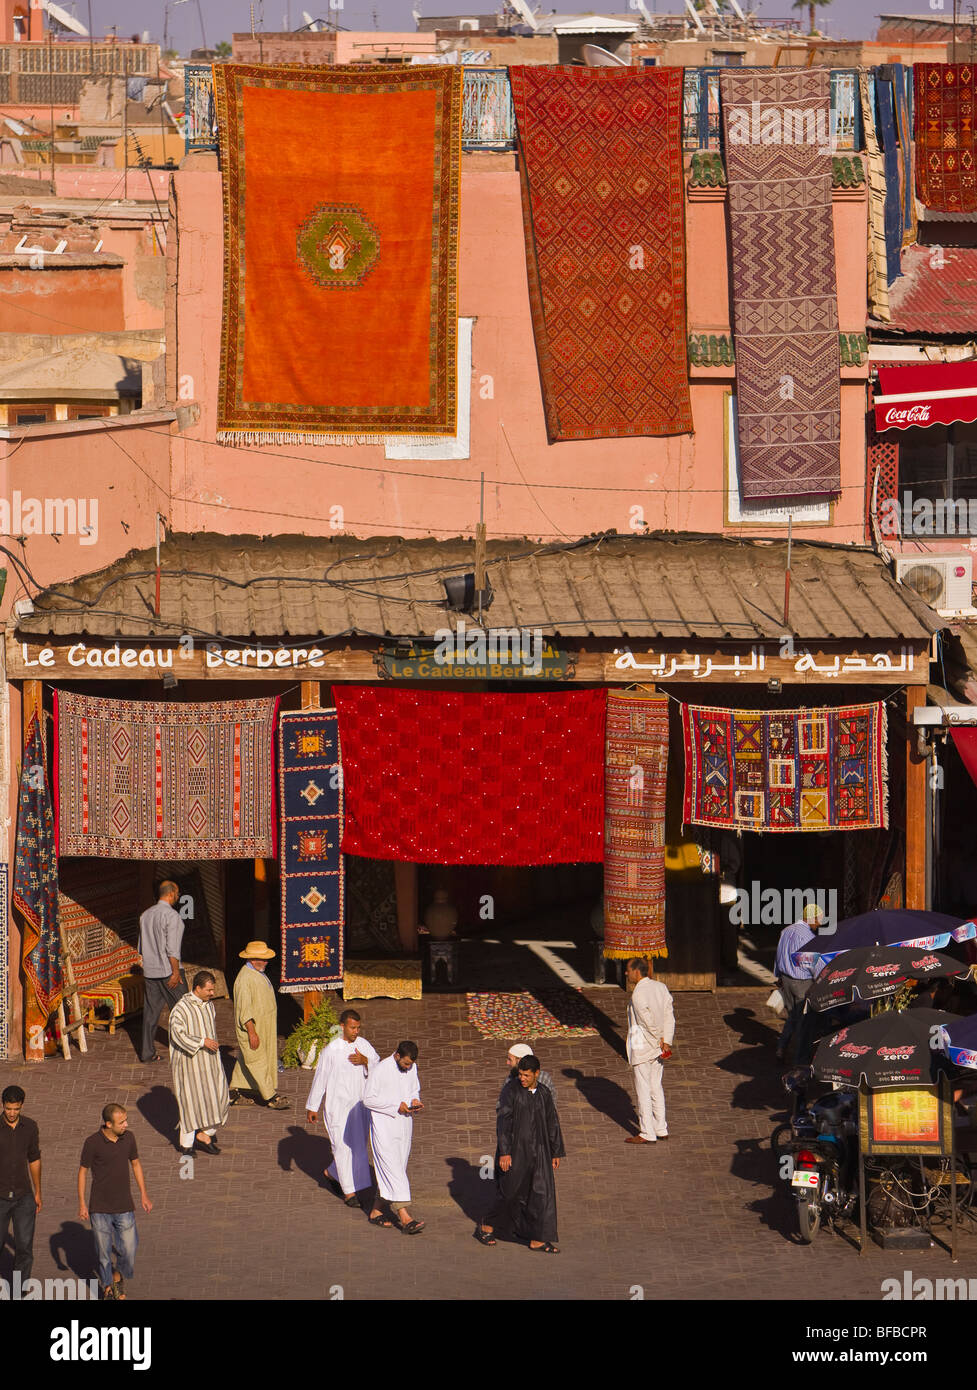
[
  {"x": 413, "y": 1228},
  {"x": 379, "y": 1220},
  {"x": 547, "y": 1248},
  {"x": 484, "y": 1237}
]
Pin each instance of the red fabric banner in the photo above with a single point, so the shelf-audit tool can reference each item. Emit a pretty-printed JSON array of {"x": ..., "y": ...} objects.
[
  {"x": 965, "y": 742},
  {"x": 932, "y": 393},
  {"x": 462, "y": 777}
]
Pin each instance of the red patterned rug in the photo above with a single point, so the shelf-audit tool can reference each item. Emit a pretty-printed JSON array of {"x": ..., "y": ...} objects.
[
  {"x": 138, "y": 779},
  {"x": 785, "y": 297},
  {"x": 459, "y": 777},
  {"x": 943, "y": 121},
  {"x": 99, "y": 906},
  {"x": 635, "y": 776},
  {"x": 603, "y": 198},
  {"x": 779, "y": 770}
]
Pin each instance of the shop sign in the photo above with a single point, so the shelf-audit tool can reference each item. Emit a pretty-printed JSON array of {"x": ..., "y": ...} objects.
[{"x": 516, "y": 654}]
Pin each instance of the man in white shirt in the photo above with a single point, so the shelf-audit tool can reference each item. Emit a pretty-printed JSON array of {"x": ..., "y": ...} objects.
[
  {"x": 393, "y": 1097},
  {"x": 340, "y": 1077},
  {"x": 651, "y": 1031}
]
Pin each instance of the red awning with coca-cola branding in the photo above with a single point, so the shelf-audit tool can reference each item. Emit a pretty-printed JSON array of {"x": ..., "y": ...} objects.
[{"x": 937, "y": 393}]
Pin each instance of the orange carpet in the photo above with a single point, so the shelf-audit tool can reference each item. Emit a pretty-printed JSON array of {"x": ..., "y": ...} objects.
[{"x": 340, "y": 252}]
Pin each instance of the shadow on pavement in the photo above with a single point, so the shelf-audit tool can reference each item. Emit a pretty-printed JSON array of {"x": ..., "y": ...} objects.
[
  {"x": 469, "y": 1191},
  {"x": 606, "y": 1097},
  {"x": 160, "y": 1109},
  {"x": 73, "y": 1247},
  {"x": 310, "y": 1153}
]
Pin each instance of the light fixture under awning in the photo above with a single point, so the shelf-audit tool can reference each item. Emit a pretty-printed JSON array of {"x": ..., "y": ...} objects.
[{"x": 917, "y": 396}]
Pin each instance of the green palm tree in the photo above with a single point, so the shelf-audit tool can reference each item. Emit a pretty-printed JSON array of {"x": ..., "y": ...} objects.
[
  {"x": 810, "y": 6},
  {"x": 223, "y": 49}
]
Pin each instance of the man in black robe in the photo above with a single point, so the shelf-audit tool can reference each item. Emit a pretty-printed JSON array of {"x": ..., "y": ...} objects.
[{"x": 530, "y": 1148}]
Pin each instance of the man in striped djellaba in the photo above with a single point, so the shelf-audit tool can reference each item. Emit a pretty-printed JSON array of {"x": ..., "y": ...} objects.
[{"x": 198, "y": 1075}]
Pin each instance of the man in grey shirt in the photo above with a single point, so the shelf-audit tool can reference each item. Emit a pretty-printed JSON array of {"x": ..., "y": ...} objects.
[{"x": 160, "y": 938}]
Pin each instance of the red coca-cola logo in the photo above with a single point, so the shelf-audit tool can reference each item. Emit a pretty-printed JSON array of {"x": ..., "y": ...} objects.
[
  {"x": 882, "y": 972},
  {"x": 839, "y": 1037},
  {"x": 840, "y": 975},
  {"x": 907, "y": 415},
  {"x": 854, "y": 1050},
  {"x": 895, "y": 1054},
  {"x": 927, "y": 963}
]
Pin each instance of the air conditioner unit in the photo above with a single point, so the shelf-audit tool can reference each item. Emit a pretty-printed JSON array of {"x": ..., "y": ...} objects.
[
  {"x": 944, "y": 581},
  {"x": 468, "y": 24}
]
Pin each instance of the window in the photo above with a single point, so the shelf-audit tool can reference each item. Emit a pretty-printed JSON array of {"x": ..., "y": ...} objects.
[
  {"x": 87, "y": 412},
  {"x": 40, "y": 416},
  {"x": 939, "y": 464},
  {"x": 728, "y": 59}
]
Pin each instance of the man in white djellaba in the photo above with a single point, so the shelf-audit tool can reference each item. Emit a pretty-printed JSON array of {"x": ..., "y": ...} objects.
[
  {"x": 340, "y": 1077},
  {"x": 393, "y": 1098}
]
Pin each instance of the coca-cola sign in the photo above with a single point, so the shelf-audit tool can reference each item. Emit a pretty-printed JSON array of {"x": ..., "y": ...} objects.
[
  {"x": 906, "y": 415},
  {"x": 896, "y": 1054},
  {"x": 854, "y": 1050},
  {"x": 927, "y": 963}
]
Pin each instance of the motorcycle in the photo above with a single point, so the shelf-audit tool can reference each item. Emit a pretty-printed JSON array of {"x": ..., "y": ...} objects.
[{"x": 818, "y": 1150}]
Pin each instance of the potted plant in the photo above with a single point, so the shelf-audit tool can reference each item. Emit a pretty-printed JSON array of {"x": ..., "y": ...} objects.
[{"x": 309, "y": 1037}]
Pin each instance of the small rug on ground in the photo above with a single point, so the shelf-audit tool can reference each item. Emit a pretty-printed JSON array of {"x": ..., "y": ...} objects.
[{"x": 546, "y": 1013}]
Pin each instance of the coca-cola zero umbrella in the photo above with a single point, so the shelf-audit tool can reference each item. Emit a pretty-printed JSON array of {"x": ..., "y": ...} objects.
[
  {"x": 872, "y": 972},
  {"x": 931, "y": 931},
  {"x": 897, "y": 1048}
]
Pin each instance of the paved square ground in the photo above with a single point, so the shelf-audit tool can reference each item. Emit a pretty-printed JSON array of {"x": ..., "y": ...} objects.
[{"x": 702, "y": 1216}]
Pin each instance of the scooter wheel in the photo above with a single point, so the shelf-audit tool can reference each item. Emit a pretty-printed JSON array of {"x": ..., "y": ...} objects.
[{"x": 809, "y": 1219}]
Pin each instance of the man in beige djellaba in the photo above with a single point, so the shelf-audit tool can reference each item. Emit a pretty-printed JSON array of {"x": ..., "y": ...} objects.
[
  {"x": 256, "y": 1027},
  {"x": 198, "y": 1073}
]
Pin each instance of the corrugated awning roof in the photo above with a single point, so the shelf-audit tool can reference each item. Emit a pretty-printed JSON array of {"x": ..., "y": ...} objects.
[
  {"x": 937, "y": 292},
  {"x": 662, "y": 586}
]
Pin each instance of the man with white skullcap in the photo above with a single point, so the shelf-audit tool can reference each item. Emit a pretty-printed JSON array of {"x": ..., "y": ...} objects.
[{"x": 516, "y": 1053}]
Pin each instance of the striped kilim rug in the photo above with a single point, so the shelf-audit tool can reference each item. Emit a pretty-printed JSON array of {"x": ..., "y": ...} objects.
[
  {"x": 878, "y": 284},
  {"x": 943, "y": 121},
  {"x": 140, "y": 779},
  {"x": 785, "y": 297},
  {"x": 635, "y": 775},
  {"x": 99, "y": 905},
  {"x": 603, "y": 198},
  {"x": 546, "y": 1013}
]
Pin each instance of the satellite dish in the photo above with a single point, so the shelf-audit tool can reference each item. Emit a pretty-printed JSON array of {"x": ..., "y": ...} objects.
[
  {"x": 64, "y": 19},
  {"x": 311, "y": 24},
  {"x": 524, "y": 13},
  {"x": 735, "y": 6},
  {"x": 596, "y": 57},
  {"x": 416, "y": 13}
]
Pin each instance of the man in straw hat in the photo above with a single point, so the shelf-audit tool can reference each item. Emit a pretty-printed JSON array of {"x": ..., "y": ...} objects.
[
  {"x": 198, "y": 1074},
  {"x": 794, "y": 981},
  {"x": 256, "y": 1028}
]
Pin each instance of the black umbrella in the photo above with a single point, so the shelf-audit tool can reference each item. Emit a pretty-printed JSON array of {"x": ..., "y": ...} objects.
[
  {"x": 872, "y": 972},
  {"x": 932, "y": 931},
  {"x": 893, "y": 1049}
]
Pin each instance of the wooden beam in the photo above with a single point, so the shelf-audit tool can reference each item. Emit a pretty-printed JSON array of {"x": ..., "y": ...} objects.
[
  {"x": 311, "y": 691},
  {"x": 915, "y": 807},
  {"x": 34, "y": 1020},
  {"x": 311, "y": 1000}
]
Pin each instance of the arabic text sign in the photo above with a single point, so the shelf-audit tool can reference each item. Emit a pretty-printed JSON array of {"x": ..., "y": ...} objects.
[{"x": 764, "y": 662}]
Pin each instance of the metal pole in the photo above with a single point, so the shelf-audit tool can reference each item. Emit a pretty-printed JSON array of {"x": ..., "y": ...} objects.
[
  {"x": 954, "y": 42},
  {"x": 200, "y": 16},
  {"x": 91, "y": 41},
  {"x": 125, "y": 124},
  {"x": 50, "y": 69}
]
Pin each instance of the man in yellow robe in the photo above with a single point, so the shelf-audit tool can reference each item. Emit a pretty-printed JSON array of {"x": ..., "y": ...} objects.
[{"x": 256, "y": 1026}]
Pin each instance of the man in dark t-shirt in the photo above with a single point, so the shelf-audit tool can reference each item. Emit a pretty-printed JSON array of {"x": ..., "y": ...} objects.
[
  {"x": 20, "y": 1179},
  {"x": 108, "y": 1154}
]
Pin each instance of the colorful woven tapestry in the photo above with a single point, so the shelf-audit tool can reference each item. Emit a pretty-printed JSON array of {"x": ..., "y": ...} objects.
[
  {"x": 898, "y": 75},
  {"x": 139, "y": 779},
  {"x": 603, "y": 198},
  {"x": 635, "y": 775},
  {"x": 340, "y": 253},
  {"x": 878, "y": 282},
  {"x": 546, "y": 1013},
  {"x": 785, "y": 299},
  {"x": 462, "y": 777},
  {"x": 99, "y": 906},
  {"x": 311, "y": 793},
  {"x": 35, "y": 892},
  {"x": 943, "y": 123},
  {"x": 777, "y": 770}
]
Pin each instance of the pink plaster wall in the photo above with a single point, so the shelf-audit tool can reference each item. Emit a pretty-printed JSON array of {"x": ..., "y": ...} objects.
[{"x": 532, "y": 488}]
